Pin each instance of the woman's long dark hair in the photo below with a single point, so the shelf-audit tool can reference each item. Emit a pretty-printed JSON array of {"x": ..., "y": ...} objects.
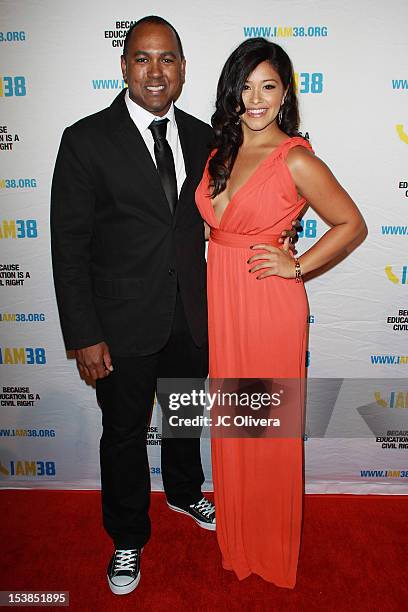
[{"x": 225, "y": 120}]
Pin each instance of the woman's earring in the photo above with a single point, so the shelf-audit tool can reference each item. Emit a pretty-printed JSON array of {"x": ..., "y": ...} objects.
[
  {"x": 238, "y": 121},
  {"x": 281, "y": 111}
]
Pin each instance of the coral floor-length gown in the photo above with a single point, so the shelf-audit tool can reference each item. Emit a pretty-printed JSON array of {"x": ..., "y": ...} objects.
[{"x": 257, "y": 329}]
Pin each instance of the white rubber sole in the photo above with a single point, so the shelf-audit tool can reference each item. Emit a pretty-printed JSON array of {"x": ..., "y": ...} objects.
[
  {"x": 207, "y": 526},
  {"x": 124, "y": 590}
]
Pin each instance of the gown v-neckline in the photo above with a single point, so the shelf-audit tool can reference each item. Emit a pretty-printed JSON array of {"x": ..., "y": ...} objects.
[{"x": 245, "y": 184}]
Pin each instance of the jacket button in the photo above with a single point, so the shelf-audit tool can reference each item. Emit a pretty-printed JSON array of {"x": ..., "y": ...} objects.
[{"x": 172, "y": 271}]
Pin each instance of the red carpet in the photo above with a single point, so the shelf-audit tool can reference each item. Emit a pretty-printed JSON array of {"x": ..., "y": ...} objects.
[{"x": 354, "y": 557}]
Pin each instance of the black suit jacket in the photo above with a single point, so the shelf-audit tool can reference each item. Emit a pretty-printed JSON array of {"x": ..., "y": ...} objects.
[{"x": 118, "y": 253}]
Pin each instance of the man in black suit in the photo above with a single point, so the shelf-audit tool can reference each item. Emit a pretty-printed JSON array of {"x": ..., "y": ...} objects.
[{"x": 129, "y": 271}]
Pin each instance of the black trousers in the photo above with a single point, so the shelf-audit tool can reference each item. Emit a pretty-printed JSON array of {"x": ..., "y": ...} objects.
[{"x": 126, "y": 398}]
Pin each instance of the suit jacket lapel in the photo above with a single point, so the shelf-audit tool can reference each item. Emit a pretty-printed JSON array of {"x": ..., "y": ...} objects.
[
  {"x": 126, "y": 134},
  {"x": 187, "y": 141}
]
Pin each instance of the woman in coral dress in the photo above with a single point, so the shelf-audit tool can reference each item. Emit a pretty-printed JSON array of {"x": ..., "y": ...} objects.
[{"x": 256, "y": 182}]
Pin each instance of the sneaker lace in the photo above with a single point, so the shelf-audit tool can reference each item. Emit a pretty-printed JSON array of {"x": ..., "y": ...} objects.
[
  {"x": 125, "y": 560},
  {"x": 205, "y": 507}
]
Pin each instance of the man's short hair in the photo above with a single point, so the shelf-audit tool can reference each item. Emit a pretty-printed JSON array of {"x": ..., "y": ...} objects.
[{"x": 157, "y": 21}]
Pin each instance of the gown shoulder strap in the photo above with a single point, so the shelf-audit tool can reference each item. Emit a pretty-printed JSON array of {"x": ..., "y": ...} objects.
[{"x": 295, "y": 141}]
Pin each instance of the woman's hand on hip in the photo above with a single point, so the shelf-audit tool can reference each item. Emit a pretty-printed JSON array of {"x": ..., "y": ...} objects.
[{"x": 272, "y": 261}]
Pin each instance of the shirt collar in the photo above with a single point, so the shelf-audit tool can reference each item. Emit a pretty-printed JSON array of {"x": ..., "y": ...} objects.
[{"x": 143, "y": 118}]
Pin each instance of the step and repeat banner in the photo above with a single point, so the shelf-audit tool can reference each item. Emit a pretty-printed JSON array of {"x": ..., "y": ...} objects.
[{"x": 60, "y": 61}]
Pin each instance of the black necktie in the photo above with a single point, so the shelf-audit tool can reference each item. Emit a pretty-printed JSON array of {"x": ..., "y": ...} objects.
[{"x": 165, "y": 161}]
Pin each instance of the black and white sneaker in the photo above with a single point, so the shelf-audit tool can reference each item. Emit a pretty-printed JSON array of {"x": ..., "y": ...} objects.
[
  {"x": 124, "y": 571},
  {"x": 203, "y": 512}
]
